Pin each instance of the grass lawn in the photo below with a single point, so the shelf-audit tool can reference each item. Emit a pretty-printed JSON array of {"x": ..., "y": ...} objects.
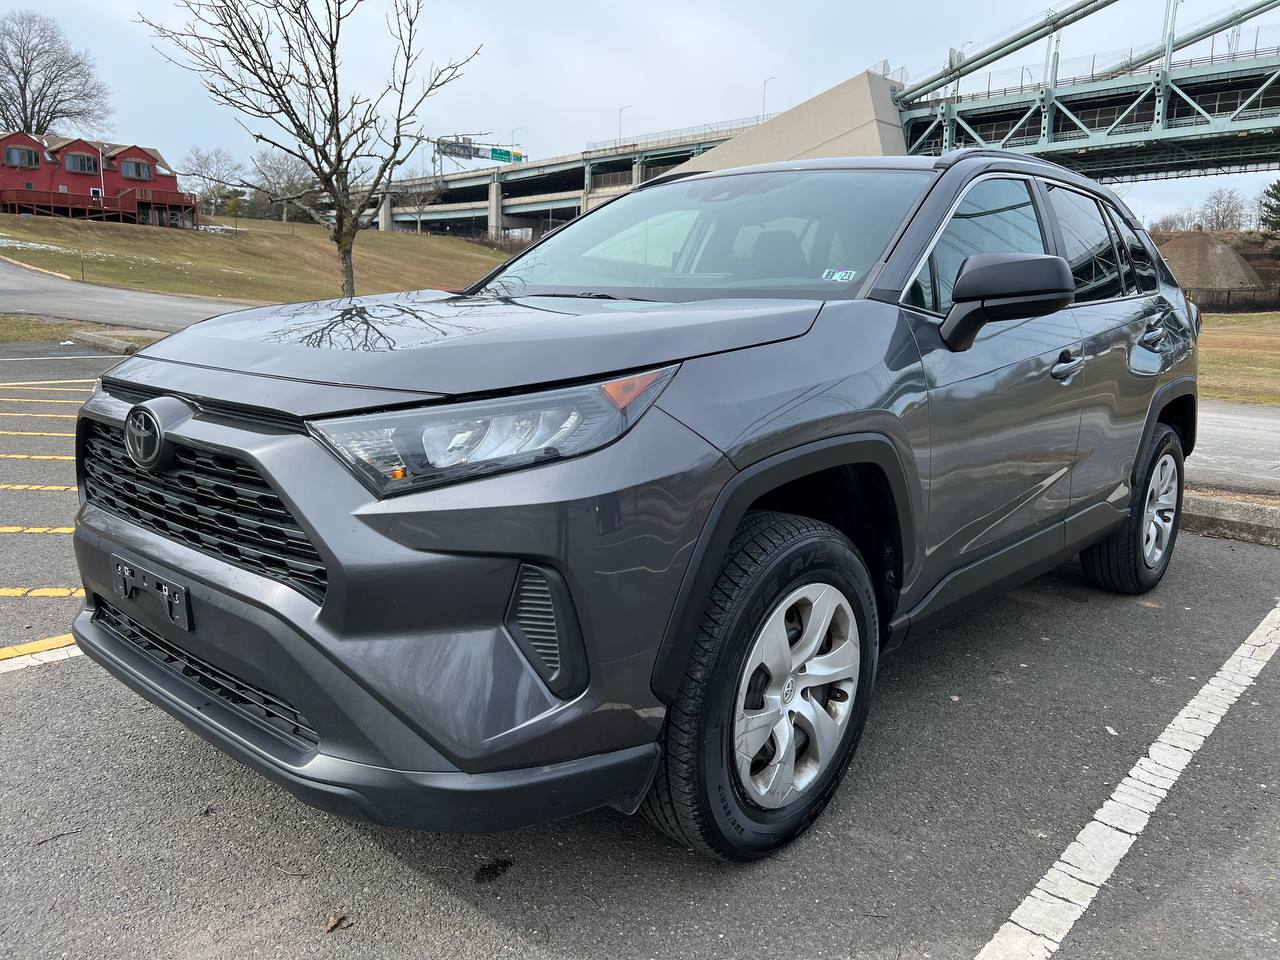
[
  {"x": 23, "y": 328},
  {"x": 266, "y": 261},
  {"x": 1240, "y": 357},
  {"x": 28, "y": 328}
]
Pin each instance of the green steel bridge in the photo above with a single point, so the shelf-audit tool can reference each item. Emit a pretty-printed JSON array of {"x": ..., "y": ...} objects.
[{"x": 1149, "y": 116}]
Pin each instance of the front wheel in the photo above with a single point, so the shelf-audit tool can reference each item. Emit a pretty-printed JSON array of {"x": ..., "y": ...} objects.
[
  {"x": 776, "y": 692},
  {"x": 1135, "y": 557}
]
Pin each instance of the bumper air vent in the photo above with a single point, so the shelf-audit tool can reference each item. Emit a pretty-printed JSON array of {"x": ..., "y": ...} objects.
[{"x": 543, "y": 623}]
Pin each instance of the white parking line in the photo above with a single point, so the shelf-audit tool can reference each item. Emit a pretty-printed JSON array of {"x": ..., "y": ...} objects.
[
  {"x": 36, "y": 659},
  {"x": 1038, "y": 926}
]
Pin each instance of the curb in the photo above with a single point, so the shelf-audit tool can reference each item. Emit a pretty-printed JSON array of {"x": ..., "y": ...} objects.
[
  {"x": 27, "y": 266},
  {"x": 1230, "y": 519},
  {"x": 106, "y": 342}
]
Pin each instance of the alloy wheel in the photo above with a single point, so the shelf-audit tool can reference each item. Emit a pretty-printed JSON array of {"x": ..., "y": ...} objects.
[
  {"x": 795, "y": 695},
  {"x": 1160, "y": 511}
]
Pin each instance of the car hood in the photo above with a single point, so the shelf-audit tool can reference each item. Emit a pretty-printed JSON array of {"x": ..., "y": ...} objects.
[{"x": 440, "y": 343}]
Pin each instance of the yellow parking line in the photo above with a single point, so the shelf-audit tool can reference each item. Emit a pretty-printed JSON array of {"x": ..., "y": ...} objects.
[
  {"x": 42, "y": 416},
  {"x": 42, "y": 487},
  {"x": 32, "y": 433},
  {"x": 36, "y": 383},
  {"x": 23, "y": 386},
  {"x": 36, "y": 646},
  {"x": 37, "y": 529},
  {"x": 76, "y": 592},
  {"x": 33, "y": 456},
  {"x": 37, "y": 400}
]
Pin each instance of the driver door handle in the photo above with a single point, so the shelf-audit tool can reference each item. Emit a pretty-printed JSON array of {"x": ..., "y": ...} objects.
[{"x": 1066, "y": 367}]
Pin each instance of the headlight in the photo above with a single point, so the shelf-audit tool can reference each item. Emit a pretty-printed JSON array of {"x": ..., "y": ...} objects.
[{"x": 409, "y": 449}]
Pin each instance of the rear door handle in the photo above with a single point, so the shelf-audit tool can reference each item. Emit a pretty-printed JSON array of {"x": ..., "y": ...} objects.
[
  {"x": 1066, "y": 367},
  {"x": 1155, "y": 333}
]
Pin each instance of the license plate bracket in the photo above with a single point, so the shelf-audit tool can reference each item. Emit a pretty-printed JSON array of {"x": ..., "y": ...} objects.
[{"x": 133, "y": 582}]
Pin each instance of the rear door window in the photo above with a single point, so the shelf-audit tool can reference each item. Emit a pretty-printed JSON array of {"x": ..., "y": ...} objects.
[
  {"x": 1143, "y": 267},
  {"x": 1087, "y": 245}
]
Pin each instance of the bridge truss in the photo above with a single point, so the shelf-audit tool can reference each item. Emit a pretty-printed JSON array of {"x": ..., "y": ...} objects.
[{"x": 1214, "y": 114}]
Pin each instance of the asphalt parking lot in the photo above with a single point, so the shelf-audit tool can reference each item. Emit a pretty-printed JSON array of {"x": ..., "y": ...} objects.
[{"x": 990, "y": 746}]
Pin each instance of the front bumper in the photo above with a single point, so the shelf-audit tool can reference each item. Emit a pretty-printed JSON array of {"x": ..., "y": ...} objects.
[
  {"x": 426, "y": 712},
  {"x": 422, "y": 800}
]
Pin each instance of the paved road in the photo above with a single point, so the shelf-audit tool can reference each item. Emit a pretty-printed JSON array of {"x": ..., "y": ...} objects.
[
  {"x": 1237, "y": 448},
  {"x": 29, "y": 291},
  {"x": 989, "y": 746}
]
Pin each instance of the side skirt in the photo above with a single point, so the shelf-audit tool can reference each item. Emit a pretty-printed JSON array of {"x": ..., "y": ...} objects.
[{"x": 973, "y": 585}]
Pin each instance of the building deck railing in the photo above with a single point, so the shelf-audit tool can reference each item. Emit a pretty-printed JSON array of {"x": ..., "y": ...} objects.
[{"x": 126, "y": 202}]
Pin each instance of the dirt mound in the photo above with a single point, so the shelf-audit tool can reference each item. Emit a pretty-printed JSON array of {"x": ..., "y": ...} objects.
[{"x": 1200, "y": 260}]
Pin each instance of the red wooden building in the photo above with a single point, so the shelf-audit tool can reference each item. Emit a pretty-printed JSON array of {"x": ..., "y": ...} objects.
[{"x": 90, "y": 180}]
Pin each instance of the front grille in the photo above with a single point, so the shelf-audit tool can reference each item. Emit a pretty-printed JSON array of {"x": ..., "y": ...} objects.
[
  {"x": 267, "y": 710},
  {"x": 211, "y": 502},
  {"x": 534, "y": 612}
]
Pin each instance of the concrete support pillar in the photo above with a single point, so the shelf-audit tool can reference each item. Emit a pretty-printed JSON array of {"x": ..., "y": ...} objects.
[
  {"x": 586, "y": 186},
  {"x": 496, "y": 222},
  {"x": 385, "y": 219},
  {"x": 637, "y": 171}
]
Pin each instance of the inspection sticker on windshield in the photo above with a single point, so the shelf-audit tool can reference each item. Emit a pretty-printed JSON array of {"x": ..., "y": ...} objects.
[{"x": 840, "y": 276}]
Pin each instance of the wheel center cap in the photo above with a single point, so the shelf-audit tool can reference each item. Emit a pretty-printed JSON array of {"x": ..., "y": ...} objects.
[{"x": 789, "y": 690}]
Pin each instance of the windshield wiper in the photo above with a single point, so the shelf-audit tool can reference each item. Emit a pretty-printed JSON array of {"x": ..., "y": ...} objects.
[{"x": 589, "y": 295}]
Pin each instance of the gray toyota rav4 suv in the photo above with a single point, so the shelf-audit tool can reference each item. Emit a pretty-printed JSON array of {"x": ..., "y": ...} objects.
[{"x": 631, "y": 521}]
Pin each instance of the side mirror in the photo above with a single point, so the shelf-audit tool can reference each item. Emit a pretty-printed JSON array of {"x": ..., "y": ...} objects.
[{"x": 1005, "y": 286}]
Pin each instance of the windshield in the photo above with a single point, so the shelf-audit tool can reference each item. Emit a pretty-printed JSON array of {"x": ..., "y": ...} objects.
[{"x": 810, "y": 234}]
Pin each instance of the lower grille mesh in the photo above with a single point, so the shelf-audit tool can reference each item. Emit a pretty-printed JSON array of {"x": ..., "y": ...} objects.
[{"x": 266, "y": 709}]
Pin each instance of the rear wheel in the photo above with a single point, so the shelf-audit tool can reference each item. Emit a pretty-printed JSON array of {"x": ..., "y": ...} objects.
[
  {"x": 1134, "y": 558},
  {"x": 776, "y": 692}
]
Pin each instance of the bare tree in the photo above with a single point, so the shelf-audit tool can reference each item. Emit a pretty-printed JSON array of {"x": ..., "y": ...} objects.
[
  {"x": 415, "y": 193},
  {"x": 1176, "y": 222},
  {"x": 44, "y": 81},
  {"x": 1224, "y": 209},
  {"x": 279, "y": 63},
  {"x": 213, "y": 174},
  {"x": 284, "y": 175}
]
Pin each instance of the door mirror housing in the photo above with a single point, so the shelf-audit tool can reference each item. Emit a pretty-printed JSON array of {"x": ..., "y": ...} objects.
[{"x": 1005, "y": 286}]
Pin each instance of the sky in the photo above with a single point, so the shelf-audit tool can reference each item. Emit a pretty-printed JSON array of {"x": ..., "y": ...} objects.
[{"x": 556, "y": 73}]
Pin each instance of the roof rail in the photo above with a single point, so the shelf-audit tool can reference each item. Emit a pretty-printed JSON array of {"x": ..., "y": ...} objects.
[{"x": 952, "y": 157}]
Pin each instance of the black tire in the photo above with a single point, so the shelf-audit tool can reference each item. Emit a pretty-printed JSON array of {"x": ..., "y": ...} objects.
[
  {"x": 697, "y": 797},
  {"x": 1117, "y": 563}
]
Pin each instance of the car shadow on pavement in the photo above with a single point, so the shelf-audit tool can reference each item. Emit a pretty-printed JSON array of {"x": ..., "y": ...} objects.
[{"x": 990, "y": 744}]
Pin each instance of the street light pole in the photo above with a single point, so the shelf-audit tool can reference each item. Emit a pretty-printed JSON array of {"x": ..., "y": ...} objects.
[
  {"x": 620, "y": 109},
  {"x": 513, "y": 135},
  {"x": 764, "y": 98}
]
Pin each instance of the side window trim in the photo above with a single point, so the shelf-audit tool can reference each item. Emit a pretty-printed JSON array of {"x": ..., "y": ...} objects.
[
  {"x": 1127, "y": 270},
  {"x": 1037, "y": 202}
]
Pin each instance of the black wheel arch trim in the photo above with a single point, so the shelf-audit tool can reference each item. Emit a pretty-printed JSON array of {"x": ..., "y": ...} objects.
[
  {"x": 743, "y": 489},
  {"x": 1164, "y": 395}
]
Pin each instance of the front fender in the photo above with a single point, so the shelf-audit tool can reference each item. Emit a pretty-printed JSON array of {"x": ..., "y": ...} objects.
[{"x": 731, "y": 505}]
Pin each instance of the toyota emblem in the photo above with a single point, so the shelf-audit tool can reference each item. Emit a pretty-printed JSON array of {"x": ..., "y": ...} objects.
[{"x": 143, "y": 438}]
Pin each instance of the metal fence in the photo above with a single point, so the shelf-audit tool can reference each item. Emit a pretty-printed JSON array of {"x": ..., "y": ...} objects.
[{"x": 1235, "y": 299}]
